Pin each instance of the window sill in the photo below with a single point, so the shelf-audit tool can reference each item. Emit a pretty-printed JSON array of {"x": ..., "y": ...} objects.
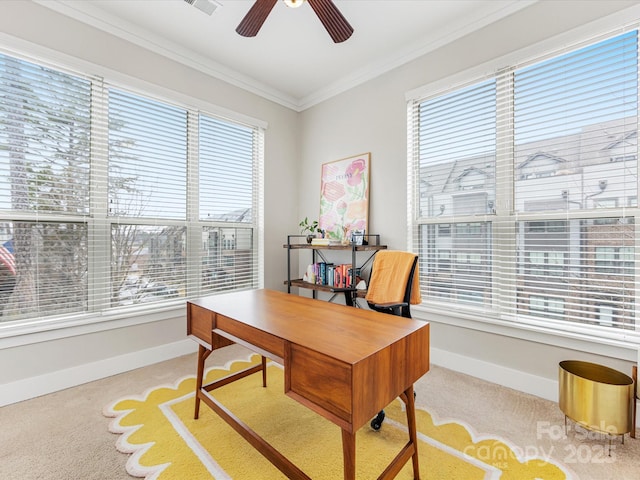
[
  {"x": 620, "y": 345},
  {"x": 36, "y": 331}
]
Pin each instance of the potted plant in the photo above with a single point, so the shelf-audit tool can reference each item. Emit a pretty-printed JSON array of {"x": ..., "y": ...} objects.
[{"x": 307, "y": 225}]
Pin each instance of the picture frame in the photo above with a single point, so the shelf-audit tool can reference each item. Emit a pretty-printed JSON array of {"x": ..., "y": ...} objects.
[
  {"x": 344, "y": 196},
  {"x": 357, "y": 237}
]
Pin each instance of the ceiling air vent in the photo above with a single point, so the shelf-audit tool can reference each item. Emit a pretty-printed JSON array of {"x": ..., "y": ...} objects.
[{"x": 206, "y": 6}]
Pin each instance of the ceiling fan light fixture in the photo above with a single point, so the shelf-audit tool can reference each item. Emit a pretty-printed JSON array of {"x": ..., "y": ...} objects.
[
  {"x": 293, "y": 3},
  {"x": 328, "y": 14}
]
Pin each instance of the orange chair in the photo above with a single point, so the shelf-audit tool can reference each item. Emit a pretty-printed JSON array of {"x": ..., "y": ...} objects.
[{"x": 394, "y": 285}]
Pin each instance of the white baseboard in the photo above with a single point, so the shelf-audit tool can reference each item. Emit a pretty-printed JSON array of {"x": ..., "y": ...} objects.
[
  {"x": 52, "y": 382},
  {"x": 499, "y": 374}
]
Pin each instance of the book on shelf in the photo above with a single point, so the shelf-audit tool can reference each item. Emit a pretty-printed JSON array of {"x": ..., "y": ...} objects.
[
  {"x": 322, "y": 274},
  {"x": 324, "y": 242},
  {"x": 320, "y": 241},
  {"x": 341, "y": 276},
  {"x": 329, "y": 274}
]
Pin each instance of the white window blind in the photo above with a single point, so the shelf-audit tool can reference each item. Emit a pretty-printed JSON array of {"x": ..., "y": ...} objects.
[
  {"x": 456, "y": 171},
  {"x": 228, "y": 179},
  {"x": 576, "y": 184},
  {"x": 147, "y": 199},
  {"x": 115, "y": 200},
  {"x": 44, "y": 190},
  {"x": 147, "y": 157},
  {"x": 526, "y": 210}
]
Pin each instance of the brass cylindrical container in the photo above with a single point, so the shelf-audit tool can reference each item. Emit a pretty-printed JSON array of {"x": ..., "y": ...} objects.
[{"x": 598, "y": 398}]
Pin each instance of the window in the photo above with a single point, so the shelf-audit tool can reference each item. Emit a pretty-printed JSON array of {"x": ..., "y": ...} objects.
[
  {"x": 549, "y": 152},
  {"x": 457, "y": 152},
  {"x": 617, "y": 260},
  {"x": 226, "y": 196},
  {"x": 549, "y": 307},
  {"x": 112, "y": 200},
  {"x": 546, "y": 263},
  {"x": 45, "y": 125},
  {"x": 147, "y": 177}
]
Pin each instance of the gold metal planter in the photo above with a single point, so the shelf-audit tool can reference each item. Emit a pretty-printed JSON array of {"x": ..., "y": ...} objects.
[{"x": 598, "y": 398}]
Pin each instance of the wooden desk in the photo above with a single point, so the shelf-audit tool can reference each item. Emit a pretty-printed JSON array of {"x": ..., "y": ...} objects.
[{"x": 344, "y": 363}]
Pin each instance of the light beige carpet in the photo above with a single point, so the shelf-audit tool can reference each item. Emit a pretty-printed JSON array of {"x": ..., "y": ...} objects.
[{"x": 64, "y": 435}]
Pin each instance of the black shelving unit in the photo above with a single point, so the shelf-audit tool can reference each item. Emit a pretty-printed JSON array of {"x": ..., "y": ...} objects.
[{"x": 371, "y": 245}]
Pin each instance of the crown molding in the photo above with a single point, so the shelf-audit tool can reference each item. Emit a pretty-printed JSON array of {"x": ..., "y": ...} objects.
[
  {"x": 412, "y": 52},
  {"x": 89, "y": 14}
]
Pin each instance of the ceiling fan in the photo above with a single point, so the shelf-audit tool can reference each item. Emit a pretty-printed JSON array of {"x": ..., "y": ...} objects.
[{"x": 334, "y": 22}]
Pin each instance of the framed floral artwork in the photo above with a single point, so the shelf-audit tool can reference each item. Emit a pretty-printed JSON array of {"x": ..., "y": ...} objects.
[{"x": 344, "y": 196}]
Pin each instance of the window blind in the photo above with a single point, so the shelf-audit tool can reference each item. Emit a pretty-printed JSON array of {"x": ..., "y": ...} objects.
[
  {"x": 44, "y": 190},
  {"x": 117, "y": 200},
  {"x": 147, "y": 169},
  {"x": 227, "y": 196},
  {"x": 576, "y": 185},
  {"x": 147, "y": 157},
  {"x": 456, "y": 170},
  {"x": 525, "y": 190}
]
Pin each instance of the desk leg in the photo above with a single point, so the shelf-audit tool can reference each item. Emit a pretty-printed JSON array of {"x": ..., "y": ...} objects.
[
  {"x": 349, "y": 454},
  {"x": 411, "y": 423},
  {"x": 348, "y": 298},
  {"x": 634, "y": 376},
  {"x": 264, "y": 371},
  {"x": 203, "y": 353}
]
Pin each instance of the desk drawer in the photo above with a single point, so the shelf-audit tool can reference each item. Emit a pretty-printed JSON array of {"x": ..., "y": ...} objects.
[
  {"x": 320, "y": 380},
  {"x": 253, "y": 338},
  {"x": 200, "y": 324}
]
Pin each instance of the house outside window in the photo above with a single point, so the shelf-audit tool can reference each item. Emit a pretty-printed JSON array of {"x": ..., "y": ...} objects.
[
  {"x": 546, "y": 263},
  {"x": 559, "y": 175},
  {"x": 617, "y": 260},
  {"x": 549, "y": 307}
]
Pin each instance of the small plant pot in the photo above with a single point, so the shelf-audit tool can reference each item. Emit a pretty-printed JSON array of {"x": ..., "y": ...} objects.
[{"x": 309, "y": 238}]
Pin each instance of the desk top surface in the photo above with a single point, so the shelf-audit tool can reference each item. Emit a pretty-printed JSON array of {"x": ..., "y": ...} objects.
[{"x": 345, "y": 333}]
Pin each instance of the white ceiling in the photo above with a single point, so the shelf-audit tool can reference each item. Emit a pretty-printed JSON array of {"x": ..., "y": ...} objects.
[{"x": 292, "y": 60}]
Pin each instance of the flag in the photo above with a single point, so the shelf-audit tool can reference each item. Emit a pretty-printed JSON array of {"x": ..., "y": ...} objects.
[{"x": 6, "y": 256}]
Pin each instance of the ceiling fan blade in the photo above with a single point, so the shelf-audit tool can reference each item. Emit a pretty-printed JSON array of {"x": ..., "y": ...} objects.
[
  {"x": 332, "y": 19},
  {"x": 255, "y": 17}
]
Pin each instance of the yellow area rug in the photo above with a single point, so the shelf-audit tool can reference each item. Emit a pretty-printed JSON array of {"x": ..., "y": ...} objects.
[{"x": 165, "y": 442}]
